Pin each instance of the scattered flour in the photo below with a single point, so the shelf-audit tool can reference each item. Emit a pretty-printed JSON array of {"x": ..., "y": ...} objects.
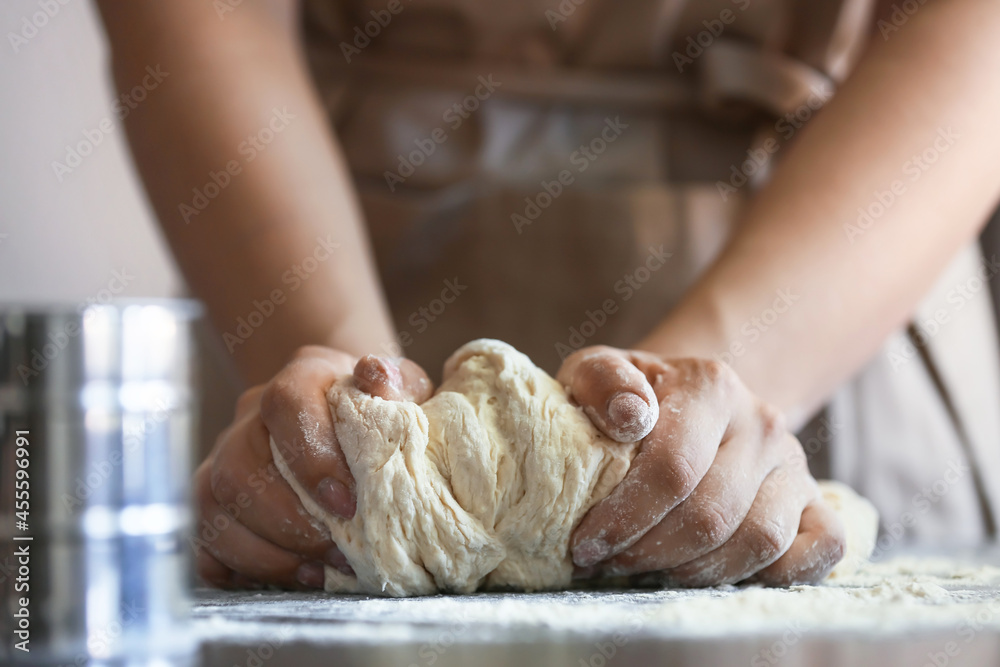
[{"x": 904, "y": 595}]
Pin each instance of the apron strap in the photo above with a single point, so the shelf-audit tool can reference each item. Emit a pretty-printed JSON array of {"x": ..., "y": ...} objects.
[{"x": 560, "y": 86}]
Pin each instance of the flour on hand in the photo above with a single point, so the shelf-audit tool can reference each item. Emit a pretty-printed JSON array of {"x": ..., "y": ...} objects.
[{"x": 479, "y": 487}]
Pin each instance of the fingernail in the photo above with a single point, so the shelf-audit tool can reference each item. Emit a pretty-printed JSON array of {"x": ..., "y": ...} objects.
[
  {"x": 311, "y": 575},
  {"x": 336, "y": 497},
  {"x": 590, "y": 552},
  {"x": 336, "y": 558},
  {"x": 378, "y": 376},
  {"x": 630, "y": 415}
]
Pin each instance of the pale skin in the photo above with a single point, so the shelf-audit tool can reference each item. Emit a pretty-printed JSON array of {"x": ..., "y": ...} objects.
[{"x": 719, "y": 491}]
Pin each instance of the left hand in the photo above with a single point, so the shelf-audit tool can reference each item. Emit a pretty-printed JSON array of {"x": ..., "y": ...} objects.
[{"x": 719, "y": 491}]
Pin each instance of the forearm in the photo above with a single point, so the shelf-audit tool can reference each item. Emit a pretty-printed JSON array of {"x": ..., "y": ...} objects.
[
  {"x": 287, "y": 201},
  {"x": 850, "y": 291}
]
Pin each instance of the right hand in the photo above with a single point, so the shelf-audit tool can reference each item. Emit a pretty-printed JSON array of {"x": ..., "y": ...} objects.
[
  {"x": 251, "y": 527},
  {"x": 719, "y": 491}
]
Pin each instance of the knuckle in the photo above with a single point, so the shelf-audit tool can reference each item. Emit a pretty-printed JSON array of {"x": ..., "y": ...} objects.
[
  {"x": 796, "y": 460},
  {"x": 719, "y": 375},
  {"x": 713, "y": 370},
  {"x": 278, "y": 398},
  {"x": 676, "y": 474},
  {"x": 223, "y": 484},
  {"x": 766, "y": 540},
  {"x": 772, "y": 422},
  {"x": 595, "y": 368},
  {"x": 712, "y": 525}
]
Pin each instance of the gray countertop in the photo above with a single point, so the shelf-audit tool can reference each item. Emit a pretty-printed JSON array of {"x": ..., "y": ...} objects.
[{"x": 936, "y": 613}]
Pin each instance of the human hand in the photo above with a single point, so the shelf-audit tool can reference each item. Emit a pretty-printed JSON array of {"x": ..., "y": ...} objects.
[
  {"x": 719, "y": 491},
  {"x": 252, "y": 528}
]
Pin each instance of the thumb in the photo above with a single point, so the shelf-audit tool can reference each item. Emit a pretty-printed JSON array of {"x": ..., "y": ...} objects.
[
  {"x": 392, "y": 379},
  {"x": 612, "y": 391}
]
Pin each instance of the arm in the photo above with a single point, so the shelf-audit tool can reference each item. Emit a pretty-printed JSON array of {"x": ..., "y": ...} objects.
[
  {"x": 937, "y": 73},
  {"x": 718, "y": 484},
  {"x": 225, "y": 76},
  {"x": 289, "y": 201}
]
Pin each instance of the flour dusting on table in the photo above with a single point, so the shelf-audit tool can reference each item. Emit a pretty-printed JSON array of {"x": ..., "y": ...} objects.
[{"x": 904, "y": 595}]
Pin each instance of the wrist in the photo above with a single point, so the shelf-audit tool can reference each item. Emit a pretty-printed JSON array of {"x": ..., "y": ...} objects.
[{"x": 692, "y": 329}]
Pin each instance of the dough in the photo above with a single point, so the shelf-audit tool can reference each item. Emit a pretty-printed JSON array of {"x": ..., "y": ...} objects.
[
  {"x": 479, "y": 487},
  {"x": 860, "y": 520}
]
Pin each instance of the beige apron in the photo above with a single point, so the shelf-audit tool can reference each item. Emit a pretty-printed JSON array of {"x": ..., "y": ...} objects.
[{"x": 546, "y": 172}]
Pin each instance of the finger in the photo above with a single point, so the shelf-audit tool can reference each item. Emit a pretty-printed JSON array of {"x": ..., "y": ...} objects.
[
  {"x": 297, "y": 415},
  {"x": 239, "y": 549},
  {"x": 246, "y": 483},
  {"x": 672, "y": 460},
  {"x": 766, "y": 533},
  {"x": 817, "y": 548},
  {"x": 211, "y": 571},
  {"x": 612, "y": 391},
  {"x": 336, "y": 558},
  {"x": 248, "y": 401},
  {"x": 392, "y": 379},
  {"x": 713, "y": 512}
]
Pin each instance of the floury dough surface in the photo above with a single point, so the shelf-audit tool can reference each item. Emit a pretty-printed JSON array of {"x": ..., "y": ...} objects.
[{"x": 480, "y": 487}]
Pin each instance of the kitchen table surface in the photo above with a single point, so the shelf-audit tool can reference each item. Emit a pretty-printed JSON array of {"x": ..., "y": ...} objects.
[{"x": 936, "y": 614}]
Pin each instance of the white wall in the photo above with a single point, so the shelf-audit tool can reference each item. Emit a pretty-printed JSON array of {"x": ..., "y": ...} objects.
[{"x": 65, "y": 239}]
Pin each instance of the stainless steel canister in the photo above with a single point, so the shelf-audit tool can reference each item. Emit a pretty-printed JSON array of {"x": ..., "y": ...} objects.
[{"x": 97, "y": 417}]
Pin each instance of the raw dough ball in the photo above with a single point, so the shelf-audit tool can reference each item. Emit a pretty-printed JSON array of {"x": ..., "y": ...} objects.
[
  {"x": 479, "y": 487},
  {"x": 860, "y": 519}
]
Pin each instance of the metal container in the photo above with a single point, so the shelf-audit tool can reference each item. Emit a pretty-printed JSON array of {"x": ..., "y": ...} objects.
[{"x": 97, "y": 417}]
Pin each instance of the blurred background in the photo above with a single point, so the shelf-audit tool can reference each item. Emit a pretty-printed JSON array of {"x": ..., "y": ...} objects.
[
  {"x": 87, "y": 233},
  {"x": 93, "y": 221}
]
